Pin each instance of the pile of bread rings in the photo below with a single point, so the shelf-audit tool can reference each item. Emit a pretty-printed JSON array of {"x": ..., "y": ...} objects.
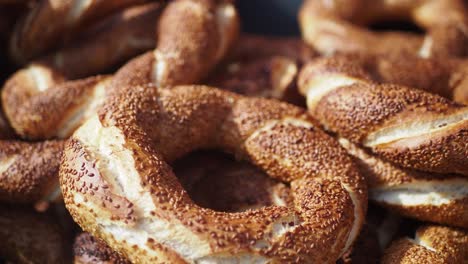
[{"x": 151, "y": 131}]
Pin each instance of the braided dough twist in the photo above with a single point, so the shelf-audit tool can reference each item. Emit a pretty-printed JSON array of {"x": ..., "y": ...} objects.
[
  {"x": 408, "y": 127},
  {"x": 117, "y": 185},
  {"x": 339, "y": 26}
]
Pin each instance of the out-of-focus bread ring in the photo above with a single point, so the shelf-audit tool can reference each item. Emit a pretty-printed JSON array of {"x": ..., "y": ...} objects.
[
  {"x": 432, "y": 244},
  {"x": 39, "y": 101},
  {"x": 40, "y": 104},
  {"x": 409, "y": 127},
  {"x": 265, "y": 67},
  {"x": 62, "y": 19},
  {"x": 29, "y": 171},
  {"x": 139, "y": 129},
  {"x": 30, "y": 237},
  {"x": 430, "y": 197},
  {"x": 339, "y": 26}
]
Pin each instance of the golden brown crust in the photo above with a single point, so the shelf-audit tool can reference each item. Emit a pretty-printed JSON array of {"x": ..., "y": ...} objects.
[
  {"x": 407, "y": 126},
  {"x": 278, "y": 138},
  {"x": 89, "y": 250},
  {"x": 433, "y": 244},
  {"x": 29, "y": 171},
  {"x": 30, "y": 237},
  {"x": 340, "y": 26},
  {"x": 445, "y": 77}
]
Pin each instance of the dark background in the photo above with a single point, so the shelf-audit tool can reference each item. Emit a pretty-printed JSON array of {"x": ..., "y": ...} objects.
[{"x": 269, "y": 17}]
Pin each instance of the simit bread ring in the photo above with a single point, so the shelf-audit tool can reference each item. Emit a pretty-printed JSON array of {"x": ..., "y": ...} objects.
[
  {"x": 29, "y": 171},
  {"x": 432, "y": 244},
  {"x": 30, "y": 237},
  {"x": 409, "y": 127},
  {"x": 148, "y": 216},
  {"x": 186, "y": 50},
  {"x": 63, "y": 19},
  {"x": 339, "y": 26}
]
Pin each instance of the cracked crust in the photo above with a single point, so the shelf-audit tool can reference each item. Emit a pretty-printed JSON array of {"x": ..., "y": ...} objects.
[{"x": 278, "y": 138}]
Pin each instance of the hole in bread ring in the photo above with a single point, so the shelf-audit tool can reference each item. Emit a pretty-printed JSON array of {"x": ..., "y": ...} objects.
[{"x": 126, "y": 193}]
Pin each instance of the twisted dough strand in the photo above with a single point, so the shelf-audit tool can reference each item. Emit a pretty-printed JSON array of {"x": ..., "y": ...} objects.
[{"x": 409, "y": 127}]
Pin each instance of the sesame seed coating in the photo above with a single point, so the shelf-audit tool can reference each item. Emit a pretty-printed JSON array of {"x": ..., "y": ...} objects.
[
  {"x": 328, "y": 193},
  {"x": 409, "y": 127}
]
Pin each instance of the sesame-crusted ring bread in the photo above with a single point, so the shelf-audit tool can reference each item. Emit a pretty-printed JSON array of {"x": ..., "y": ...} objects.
[
  {"x": 332, "y": 26},
  {"x": 29, "y": 171},
  {"x": 438, "y": 198},
  {"x": 406, "y": 126},
  {"x": 186, "y": 51},
  {"x": 89, "y": 250},
  {"x": 117, "y": 184},
  {"x": 432, "y": 244},
  {"x": 63, "y": 20},
  {"x": 27, "y": 236}
]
